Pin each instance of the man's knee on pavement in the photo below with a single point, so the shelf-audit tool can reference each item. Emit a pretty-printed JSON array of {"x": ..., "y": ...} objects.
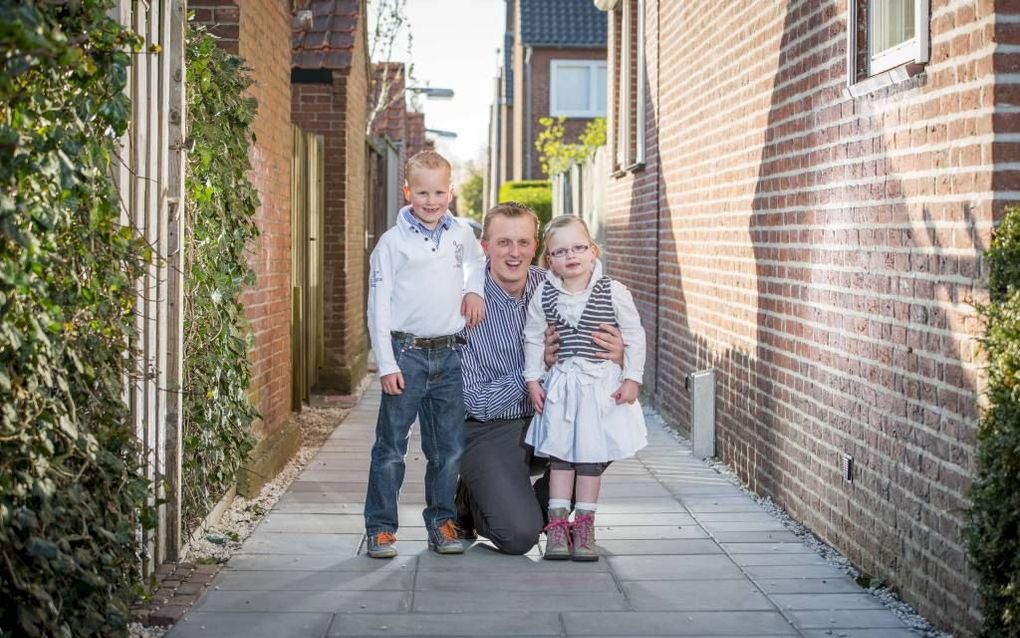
[{"x": 517, "y": 538}]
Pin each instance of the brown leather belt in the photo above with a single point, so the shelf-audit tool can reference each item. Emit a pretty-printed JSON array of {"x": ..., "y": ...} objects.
[{"x": 427, "y": 343}]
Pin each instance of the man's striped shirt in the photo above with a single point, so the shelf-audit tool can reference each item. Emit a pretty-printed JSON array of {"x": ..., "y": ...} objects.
[{"x": 493, "y": 360}]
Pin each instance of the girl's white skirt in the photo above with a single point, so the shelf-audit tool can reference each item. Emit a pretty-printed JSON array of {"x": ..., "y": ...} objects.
[{"x": 581, "y": 422}]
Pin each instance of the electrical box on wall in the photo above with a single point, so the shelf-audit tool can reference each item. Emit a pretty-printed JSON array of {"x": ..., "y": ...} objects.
[{"x": 848, "y": 468}]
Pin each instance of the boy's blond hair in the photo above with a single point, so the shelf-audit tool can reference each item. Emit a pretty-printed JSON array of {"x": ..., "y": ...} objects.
[
  {"x": 425, "y": 160},
  {"x": 559, "y": 223},
  {"x": 510, "y": 210}
]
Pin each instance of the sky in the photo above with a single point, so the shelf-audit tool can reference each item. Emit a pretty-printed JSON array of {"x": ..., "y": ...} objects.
[{"x": 454, "y": 46}]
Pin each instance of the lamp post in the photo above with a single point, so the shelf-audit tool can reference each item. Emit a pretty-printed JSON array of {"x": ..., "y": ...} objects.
[
  {"x": 431, "y": 92},
  {"x": 441, "y": 133}
]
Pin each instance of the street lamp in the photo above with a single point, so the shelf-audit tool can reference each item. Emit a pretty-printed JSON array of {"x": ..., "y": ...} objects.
[
  {"x": 431, "y": 92},
  {"x": 441, "y": 133}
]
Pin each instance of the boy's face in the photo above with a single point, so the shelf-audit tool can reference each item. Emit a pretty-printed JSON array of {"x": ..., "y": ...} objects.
[{"x": 428, "y": 191}]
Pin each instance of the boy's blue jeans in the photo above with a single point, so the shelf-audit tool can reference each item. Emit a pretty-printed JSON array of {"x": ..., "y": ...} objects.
[{"x": 433, "y": 392}]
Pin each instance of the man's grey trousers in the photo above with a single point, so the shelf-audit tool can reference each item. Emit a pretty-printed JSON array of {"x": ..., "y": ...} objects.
[{"x": 496, "y": 469}]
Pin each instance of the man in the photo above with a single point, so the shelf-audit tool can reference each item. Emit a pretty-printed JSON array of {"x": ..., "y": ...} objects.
[{"x": 497, "y": 465}]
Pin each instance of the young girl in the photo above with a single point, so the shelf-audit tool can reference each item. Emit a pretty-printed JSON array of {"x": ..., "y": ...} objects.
[{"x": 586, "y": 412}]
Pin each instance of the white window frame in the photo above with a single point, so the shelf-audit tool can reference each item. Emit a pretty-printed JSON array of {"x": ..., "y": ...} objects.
[
  {"x": 594, "y": 66},
  {"x": 915, "y": 50},
  {"x": 622, "y": 124}
]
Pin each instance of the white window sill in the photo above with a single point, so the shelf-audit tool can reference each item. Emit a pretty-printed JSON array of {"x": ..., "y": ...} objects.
[{"x": 882, "y": 80}]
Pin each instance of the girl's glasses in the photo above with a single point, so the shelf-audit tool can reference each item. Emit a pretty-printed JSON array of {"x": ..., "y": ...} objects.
[{"x": 576, "y": 249}]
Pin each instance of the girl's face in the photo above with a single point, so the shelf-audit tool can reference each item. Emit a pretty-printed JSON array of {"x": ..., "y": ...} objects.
[{"x": 570, "y": 252}]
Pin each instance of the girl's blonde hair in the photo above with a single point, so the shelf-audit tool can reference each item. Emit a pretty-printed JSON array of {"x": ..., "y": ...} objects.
[{"x": 559, "y": 223}]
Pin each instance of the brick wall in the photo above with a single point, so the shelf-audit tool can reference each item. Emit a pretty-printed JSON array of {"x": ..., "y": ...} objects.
[
  {"x": 222, "y": 18},
  {"x": 540, "y": 86},
  {"x": 337, "y": 110},
  {"x": 820, "y": 253},
  {"x": 259, "y": 31}
]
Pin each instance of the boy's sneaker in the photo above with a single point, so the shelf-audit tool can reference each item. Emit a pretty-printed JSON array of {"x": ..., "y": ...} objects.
[
  {"x": 446, "y": 539},
  {"x": 584, "y": 536},
  {"x": 382, "y": 545},
  {"x": 557, "y": 535}
]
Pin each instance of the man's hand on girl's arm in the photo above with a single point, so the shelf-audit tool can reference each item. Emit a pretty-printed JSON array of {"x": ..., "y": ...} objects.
[
  {"x": 552, "y": 346},
  {"x": 610, "y": 339}
]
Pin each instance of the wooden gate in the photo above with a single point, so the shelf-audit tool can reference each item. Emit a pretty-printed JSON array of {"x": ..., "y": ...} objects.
[
  {"x": 307, "y": 231},
  {"x": 150, "y": 177}
]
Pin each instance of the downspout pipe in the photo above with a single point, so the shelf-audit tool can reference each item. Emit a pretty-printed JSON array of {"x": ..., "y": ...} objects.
[{"x": 527, "y": 132}]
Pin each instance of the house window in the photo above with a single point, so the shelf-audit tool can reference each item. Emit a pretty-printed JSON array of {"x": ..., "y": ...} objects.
[
  {"x": 627, "y": 125},
  {"x": 577, "y": 88},
  {"x": 886, "y": 34}
]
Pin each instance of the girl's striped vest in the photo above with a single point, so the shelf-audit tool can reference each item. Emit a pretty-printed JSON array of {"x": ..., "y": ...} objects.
[{"x": 575, "y": 341}]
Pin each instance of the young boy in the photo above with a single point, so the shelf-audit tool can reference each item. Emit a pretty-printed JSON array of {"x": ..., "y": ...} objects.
[{"x": 427, "y": 277}]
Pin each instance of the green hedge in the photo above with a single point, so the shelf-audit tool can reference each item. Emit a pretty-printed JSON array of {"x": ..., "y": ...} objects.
[
  {"x": 994, "y": 531},
  {"x": 72, "y": 494},
  {"x": 221, "y": 205},
  {"x": 536, "y": 194}
]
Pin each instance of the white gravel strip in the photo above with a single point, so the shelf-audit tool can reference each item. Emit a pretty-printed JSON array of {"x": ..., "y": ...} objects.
[{"x": 888, "y": 598}]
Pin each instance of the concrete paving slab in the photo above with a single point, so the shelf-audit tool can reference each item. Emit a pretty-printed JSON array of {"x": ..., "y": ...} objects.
[
  {"x": 551, "y": 580},
  {"x": 446, "y": 625},
  {"x": 305, "y": 601},
  {"x": 768, "y": 548},
  {"x": 302, "y": 543},
  {"x": 777, "y": 536},
  {"x": 695, "y": 567},
  {"x": 678, "y": 547},
  {"x": 255, "y": 625},
  {"x": 522, "y": 601},
  {"x": 662, "y": 504},
  {"x": 743, "y": 526},
  {"x": 678, "y": 623},
  {"x": 695, "y": 595},
  {"x": 278, "y": 522},
  {"x": 861, "y": 633},
  {"x": 816, "y": 601},
  {"x": 844, "y": 585},
  {"x": 483, "y": 559},
  {"x": 778, "y": 559},
  {"x": 660, "y": 518},
  {"x": 754, "y": 516},
  {"x": 839, "y": 620},
  {"x": 646, "y": 532},
  {"x": 312, "y": 562},
  {"x": 793, "y": 571},
  {"x": 277, "y": 580}
]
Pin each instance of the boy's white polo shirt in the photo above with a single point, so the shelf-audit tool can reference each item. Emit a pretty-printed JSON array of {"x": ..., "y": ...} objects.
[{"x": 417, "y": 287}]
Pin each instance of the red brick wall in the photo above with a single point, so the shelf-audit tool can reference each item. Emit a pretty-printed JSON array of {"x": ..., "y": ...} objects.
[
  {"x": 260, "y": 32},
  {"x": 265, "y": 44},
  {"x": 820, "y": 253},
  {"x": 338, "y": 112},
  {"x": 221, "y": 18},
  {"x": 540, "y": 85},
  {"x": 356, "y": 269}
]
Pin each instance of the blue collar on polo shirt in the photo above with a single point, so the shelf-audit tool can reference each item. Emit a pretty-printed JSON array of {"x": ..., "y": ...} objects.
[{"x": 435, "y": 234}]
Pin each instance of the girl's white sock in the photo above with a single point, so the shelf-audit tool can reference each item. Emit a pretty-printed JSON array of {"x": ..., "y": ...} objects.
[
  {"x": 559, "y": 503},
  {"x": 588, "y": 507}
]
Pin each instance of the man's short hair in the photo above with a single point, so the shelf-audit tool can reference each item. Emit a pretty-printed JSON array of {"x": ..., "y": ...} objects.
[
  {"x": 425, "y": 160},
  {"x": 510, "y": 210}
]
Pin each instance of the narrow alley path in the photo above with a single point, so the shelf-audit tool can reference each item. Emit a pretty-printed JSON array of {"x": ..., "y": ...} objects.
[{"x": 684, "y": 553}]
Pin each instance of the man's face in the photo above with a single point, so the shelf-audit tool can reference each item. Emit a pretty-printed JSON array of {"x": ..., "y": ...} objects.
[
  {"x": 428, "y": 192},
  {"x": 510, "y": 246}
]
